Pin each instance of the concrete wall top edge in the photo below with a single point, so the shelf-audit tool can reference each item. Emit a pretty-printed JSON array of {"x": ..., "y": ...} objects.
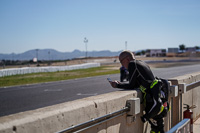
[
  {"x": 89, "y": 104},
  {"x": 188, "y": 78}
]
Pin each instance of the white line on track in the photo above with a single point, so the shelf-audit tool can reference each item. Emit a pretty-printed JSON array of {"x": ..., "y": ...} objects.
[
  {"x": 46, "y": 90},
  {"x": 80, "y": 94}
]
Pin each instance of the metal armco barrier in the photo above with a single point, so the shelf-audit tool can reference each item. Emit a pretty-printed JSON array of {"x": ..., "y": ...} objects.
[
  {"x": 93, "y": 122},
  {"x": 181, "y": 127}
]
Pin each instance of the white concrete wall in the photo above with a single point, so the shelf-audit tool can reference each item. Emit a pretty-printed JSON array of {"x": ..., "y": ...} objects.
[
  {"x": 58, "y": 117},
  {"x": 191, "y": 97},
  {"x": 26, "y": 70}
]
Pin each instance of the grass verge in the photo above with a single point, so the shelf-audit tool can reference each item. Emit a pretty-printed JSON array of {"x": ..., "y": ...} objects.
[{"x": 55, "y": 76}]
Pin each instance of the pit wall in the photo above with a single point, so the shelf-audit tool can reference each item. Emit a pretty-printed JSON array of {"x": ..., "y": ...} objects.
[
  {"x": 191, "y": 97},
  {"x": 58, "y": 117}
]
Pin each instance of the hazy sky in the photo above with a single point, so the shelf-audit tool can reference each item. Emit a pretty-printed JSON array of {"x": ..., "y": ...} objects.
[{"x": 107, "y": 24}]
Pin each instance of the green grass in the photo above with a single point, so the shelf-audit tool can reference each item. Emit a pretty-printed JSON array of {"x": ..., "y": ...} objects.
[{"x": 55, "y": 76}]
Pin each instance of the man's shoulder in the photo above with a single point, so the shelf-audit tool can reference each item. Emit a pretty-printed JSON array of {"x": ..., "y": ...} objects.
[
  {"x": 136, "y": 61},
  {"x": 139, "y": 63}
]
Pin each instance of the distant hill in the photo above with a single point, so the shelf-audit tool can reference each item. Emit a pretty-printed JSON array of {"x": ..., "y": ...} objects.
[{"x": 51, "y": 54}]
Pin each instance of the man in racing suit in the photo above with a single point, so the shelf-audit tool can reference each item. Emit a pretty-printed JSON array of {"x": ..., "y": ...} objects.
[{"x": 141, "y": 76}]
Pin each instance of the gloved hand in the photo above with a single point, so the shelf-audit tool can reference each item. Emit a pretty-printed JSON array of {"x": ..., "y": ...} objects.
[{"x": 144, "y": 118}]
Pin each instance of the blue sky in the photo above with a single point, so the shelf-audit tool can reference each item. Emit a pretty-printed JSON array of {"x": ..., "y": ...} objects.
[{"x": 107, "y": 24}]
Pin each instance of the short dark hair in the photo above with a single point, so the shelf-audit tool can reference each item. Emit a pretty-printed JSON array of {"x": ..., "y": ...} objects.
[{"x": 126, "y": 53}]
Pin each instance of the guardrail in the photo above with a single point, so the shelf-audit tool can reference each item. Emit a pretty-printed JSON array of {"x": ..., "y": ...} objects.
[
  {"x": 62, "y": 116},
  {"x": 94, "y": 122},
  {"x": 181, "y": 127},
  {"x": 174, "y": 91},
  {"x": 184, "y": 89},
  {"x": 132, "y": 109},
  {"x": 192, "y": 85}
]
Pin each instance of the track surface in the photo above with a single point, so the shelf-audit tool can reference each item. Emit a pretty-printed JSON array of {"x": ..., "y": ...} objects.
[{"x": 28, "y": 97}]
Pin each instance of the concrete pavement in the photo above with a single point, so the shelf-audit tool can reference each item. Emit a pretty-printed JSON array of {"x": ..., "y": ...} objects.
[{"x": 196, "y": 126}]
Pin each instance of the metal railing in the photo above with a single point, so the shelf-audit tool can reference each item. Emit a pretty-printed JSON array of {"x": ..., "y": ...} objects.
[
  {"x": 96, "y": 121},
  {"x": 192, "y": 85},
  {"x": 181, "y": 127},
  {"x": 181, "y": 88},
  {"x": 132, "y": 108}
]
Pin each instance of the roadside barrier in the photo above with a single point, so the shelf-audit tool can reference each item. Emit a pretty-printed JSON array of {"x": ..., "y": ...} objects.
[
  {"x": 94, "y": 122},
  {"x": 174, "y": 91},
  {"x": 62, "y": 116},
  {"x": 185, "y": 90},
  {"x": 94, "y": 112},
  {"x": 26, "y": 70},
  {"x": 132, "y": 109},
  {"x": 181, "y": 127}
]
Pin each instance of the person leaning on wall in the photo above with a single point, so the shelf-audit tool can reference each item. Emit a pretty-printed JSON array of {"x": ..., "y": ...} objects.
[{"x": 154, "y": 97}]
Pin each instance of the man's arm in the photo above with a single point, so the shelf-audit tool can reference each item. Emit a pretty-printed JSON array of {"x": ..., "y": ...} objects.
[{"x": 133, "y": 73}]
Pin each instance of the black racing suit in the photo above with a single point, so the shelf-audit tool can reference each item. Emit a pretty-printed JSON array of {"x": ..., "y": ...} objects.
[{"x": 141, "y": 76}]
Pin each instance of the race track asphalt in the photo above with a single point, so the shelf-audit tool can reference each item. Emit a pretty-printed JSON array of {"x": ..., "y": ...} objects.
[{"x": 28, "y": 97}]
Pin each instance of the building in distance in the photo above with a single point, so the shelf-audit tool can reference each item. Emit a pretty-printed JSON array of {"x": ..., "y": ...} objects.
[{"x": 155, "y": 52}]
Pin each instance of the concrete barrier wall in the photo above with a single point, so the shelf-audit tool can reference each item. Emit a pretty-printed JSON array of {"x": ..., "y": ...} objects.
[
  {"x": 26, "y": 70},
  {"x": 58, "y": 117},
  {"x": 191, "y": 97}
]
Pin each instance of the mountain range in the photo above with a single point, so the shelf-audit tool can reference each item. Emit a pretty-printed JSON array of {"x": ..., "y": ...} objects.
[{"x": 51, "y": 54}]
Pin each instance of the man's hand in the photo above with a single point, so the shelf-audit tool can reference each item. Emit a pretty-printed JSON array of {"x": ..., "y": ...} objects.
[
  {"x": 144, "y": 118},
  {"x": 114, "y": 83}
]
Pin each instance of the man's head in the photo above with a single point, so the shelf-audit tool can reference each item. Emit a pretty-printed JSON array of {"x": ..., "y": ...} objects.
[{"x": 125, "y": 57}]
